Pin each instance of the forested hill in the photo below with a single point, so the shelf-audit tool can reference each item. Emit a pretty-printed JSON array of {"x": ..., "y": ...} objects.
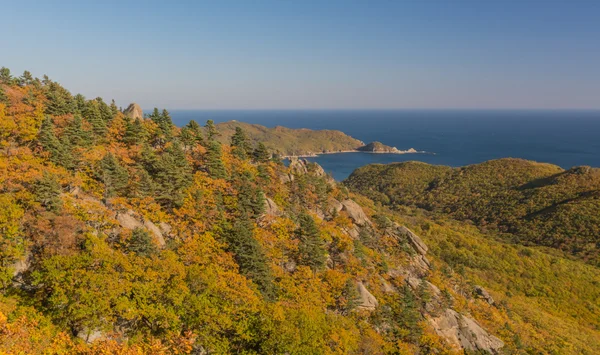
[
  {"x": 531, "y": 203},
  {"x": 123, "y": 235},
  {"x": 290, "y": 142}
]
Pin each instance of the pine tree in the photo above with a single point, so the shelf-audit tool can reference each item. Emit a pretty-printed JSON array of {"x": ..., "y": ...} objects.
[
  {"x": 173, "y": 175},
  {"x": 135, "y": 133},
  {"x": 113, "y": 108},
  {"x": 80, "y": 104},
  {"x": 26, "y": 78},
  {"x": 114, "y": 176},
  {"x": 60, "y": 101},
  {"x": 239, "y": 143},
  {"x": 5, "y": 76},
  {"x": 214, "y": 161},
  {"x": 261, "y": 153},
  {"x": 105, "y": 111},
  {"x": 141, "y": 243},
  {"x": 251, "y": 200},
  {"x": 47, "y": 192},
  {"x": 94, "y": 117},
  {"x": 310, "y": 249},
  {"x": 249, "y": 256},
  {"x": 76, "y": 135},
  {"x": 144, "y": 185},
  {"x": 211, "y": 130},
  {"x": 60, "y": 152}
]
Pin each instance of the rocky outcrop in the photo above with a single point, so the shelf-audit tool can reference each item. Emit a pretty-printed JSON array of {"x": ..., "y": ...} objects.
[
  {"x": 366, "y": 300},
  {"x": 134, "y": 111},
  {"x": 129, "y": 220},
  {"x": 415, "y": 241},
  {"x": 465, "y": 333},
  {"x": 271, "y": 208},
  {"x": 298, "y": 166},
  {"x": 482, "y": 293},
  {"x": 356, "y": 213}
]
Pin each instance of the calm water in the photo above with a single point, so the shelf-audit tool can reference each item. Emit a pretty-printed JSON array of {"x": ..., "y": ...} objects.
[{"x": 565, "y": 138}]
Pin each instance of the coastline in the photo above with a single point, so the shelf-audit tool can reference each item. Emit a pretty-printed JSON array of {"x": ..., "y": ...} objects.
[{"x": 312, "y": 155}]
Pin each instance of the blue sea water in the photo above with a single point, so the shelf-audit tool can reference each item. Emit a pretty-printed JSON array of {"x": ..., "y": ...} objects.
[{"x": 454, "y": 137}]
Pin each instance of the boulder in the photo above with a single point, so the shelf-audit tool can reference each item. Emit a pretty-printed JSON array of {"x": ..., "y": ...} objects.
[
  {"x": 356, "y": 213},
  {"x": 89, "y": 336},
  {"x": 134, "y": 111},
  {"x": 366, "y": 300},
  {"x": 417, "y": 244},
  {"x": 271, "y": 208},
  {"x": 465, "y": 333},
  {"x": 298, "y": 166},
  {"x": 482, "y": 293},
  {"x": 334, "y": 206}
]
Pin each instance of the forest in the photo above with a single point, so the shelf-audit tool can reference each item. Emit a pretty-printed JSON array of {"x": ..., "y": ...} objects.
[{"x": 129, "y": 235}]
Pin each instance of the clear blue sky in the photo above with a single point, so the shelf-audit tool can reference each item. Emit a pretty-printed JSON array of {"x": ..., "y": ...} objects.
[{"x": 304, "y": 54}]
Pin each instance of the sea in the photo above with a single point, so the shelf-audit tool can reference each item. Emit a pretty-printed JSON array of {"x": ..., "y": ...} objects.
[{"x": 449, "y": 137}]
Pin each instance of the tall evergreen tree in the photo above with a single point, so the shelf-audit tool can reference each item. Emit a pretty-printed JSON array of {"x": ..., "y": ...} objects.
[
  {"x": 3, "y": 96},
  {"x": 261, "y": 153},
  {"x": 239, "y": 143},
  {"x": 26, "y": 78},
  {"x": 135, "y": 133},
  {"x": 251, "y": 200},
  {"x": 60, "y": 101},
  {"x": 113, "y": 108},
  {"x": 249, "y": 256},
  {"x": 60, "y": 152},
  {"x": 80, "y": 104},
  {"x": 173, "y": 175},
  {"x": 211, "y": 130},
  {"x": 94, "y": 116},
  {"x": 105, "y": 111},
  {"x": 311, "y": 251},
  {"x": 141, "y": 243},
  {"x": 214, "y": 161},
  {"x": 114, "y": 176},
  {"x": 47, "y": 191},
  {"x": 76, "y": 135},
  {"x": 5, "y": 76}
]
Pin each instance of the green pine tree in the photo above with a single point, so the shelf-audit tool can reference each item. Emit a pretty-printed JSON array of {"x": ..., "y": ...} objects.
[
  {"x": 3, "y": 96},
  {"x": 239, "y": 143},
  {"x": 47, "y": 192},
  {"x": 114, "y": 176},
  {"x": 214, "y": 161},
  {"x": 251, "y": 200},
  {"x": 261, "y": 153},
  {"x": 173, "y": 175},
  {"x": 76, "y": 135},
  {"x": 60, "y": 152},
  {"x": 141, "y": 243},
  {"x": 249, "y": 256},
  {"x": 311, "y": 250},
  {"x": 211, "y": 131},
  {"x": 94, "y": 116},
  {"x": 135, "y": 133}
]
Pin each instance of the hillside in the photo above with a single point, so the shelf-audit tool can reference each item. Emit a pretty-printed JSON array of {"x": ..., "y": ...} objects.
[
  {"x": 292, "y": 142},
  {"x": 125, "y": 235},
  {"x": 531, "y": 203}
]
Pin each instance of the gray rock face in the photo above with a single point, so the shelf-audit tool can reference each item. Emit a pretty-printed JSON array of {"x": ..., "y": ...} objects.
[
  {"x": 356, "y": 213},
  {"x": 129, "y": 220},
  {"x": 482, "y": 293},
  {"x": 134, "y": 111},
  {"x": 298, "y": 166},
  {"x": 414, "y": 239},
  {"x": 366, "y": 301},
  {"x": 463, "y": 332},
  {"x": 271, "y": 208}
]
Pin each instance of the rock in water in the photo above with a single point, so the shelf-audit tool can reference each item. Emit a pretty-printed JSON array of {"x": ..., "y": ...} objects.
[{"x": 134, "y": 111}]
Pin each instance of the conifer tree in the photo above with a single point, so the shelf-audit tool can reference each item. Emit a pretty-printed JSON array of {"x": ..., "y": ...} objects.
[
  {"x": 310, "y": 249},
  {"x": 105, "y": 111},
  {"x": 251, "y": 200},
  {"x": 26, "y": 78},
  {"x": 173, "y": 175},
  {"x": 211, "y": 130},
  {"x": 76, "y": 135},
  {"x": 144, "y": 185},
  {"x": 47, "y": 192},
  {"x": 80, "y": 104},
  {"x": 141, "y": 243},
  {"x": 94, "y": 117},
  {"x": 261, "y": 153},
  {"x": 59, "y": 151},
  {"x": 113, "y": 108},
  {"x": 135, "y": 133},
  {"x": 5, "y": 76},
  {"x": 249, "y": 256},
  {"x": 60, "y": 101},
  {"x": 114, "y": 176},
  {"x": 239, "y": 143},
  {"x": 214, "y": 162}
]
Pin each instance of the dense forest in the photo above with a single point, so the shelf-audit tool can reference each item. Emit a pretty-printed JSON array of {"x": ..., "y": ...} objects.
[
  {"x": 526, "y": 202},
  {"x": 128, "y": 235}
]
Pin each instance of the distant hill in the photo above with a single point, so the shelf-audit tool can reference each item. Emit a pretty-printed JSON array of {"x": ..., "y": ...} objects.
[
  {"x": 289, "y": 141},
  {"x": 533, "y": 203}
]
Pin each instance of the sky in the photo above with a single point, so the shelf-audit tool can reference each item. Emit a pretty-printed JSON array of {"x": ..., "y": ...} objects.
[{"x": 303, "y": 54}]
